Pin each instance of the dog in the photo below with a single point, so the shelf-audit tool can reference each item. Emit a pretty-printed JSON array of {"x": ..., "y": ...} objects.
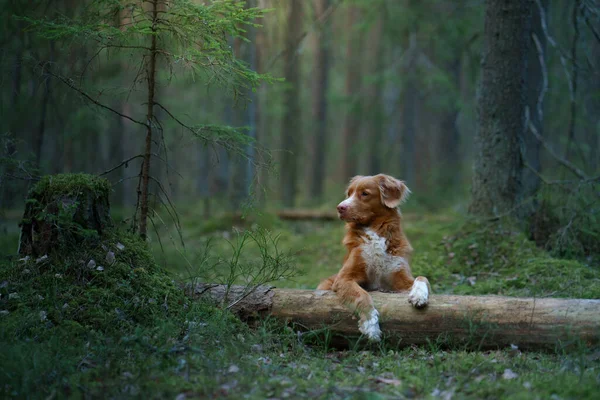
[{"x": 378, "y": 252}]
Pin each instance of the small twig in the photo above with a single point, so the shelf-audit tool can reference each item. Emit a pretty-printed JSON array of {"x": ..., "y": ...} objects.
[
  {"x": 570, "y": 166},
  {"x": 70, "y": 84},
  {"x": 552, "y": 42},
  {"x": 121, "y": 164},
  {"x": 594, "y": 32}
]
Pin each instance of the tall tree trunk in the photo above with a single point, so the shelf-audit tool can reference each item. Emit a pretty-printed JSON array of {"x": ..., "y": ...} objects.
[
  {"x": 291, "y": 128},
  {"x": 319, "y": 102},
  {"x": 38, "y": 140},
  {"x": 408, "y": 132},
  {"x": 574, "y": 78},
  {"x": 376, "y": 122},
  {"x": 260, "y": 45},
  {"x": 409, "y": 109},
  {"x": 243, "y": 170},
  {"x": 351, "y": 86},
  {"x": 7, "y": 189},
  {"x": 530, "y": 181},
  {"x": 151, "y": 75},
  {"x": 449, "y": 154},
  {"x": 501, "y": 107},
  {"x": 116, "y": 154},
  {"x": 592, "y": 106}
]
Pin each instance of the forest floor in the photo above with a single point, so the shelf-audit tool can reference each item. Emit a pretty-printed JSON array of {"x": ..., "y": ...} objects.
[{"x": 164, "y": 345}]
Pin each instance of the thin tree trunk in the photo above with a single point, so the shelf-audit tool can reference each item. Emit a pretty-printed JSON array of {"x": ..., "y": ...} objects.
[
  {"x": 351, "y": 85},
  {"x": 291, "y": 128},
  {"x": 501, "y": 107},
  {"x": 408, "y": 132},
  {"x": 449, "y": 155},
  {"x": 262, "y": 137},
  {"x": 8, "y": 191},
  {"x": 592, "y": 106},
  {"x": 38, "y": 140},
  {"x": 530, "y": 180},
  {"x": 574, "y": 79},
  {"x": 319, "y": 102},
  {"x": 409, "y": 110},
  {"x": 376, "y": 122},
  {"x": 149, "y": 121}
]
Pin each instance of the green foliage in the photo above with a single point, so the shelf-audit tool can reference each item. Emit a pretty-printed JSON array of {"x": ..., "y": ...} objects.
[{"x": 193, "y": 35}]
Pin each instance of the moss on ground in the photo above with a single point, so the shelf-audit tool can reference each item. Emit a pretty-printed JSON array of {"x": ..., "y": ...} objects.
[{"x": 72, "y": 329}]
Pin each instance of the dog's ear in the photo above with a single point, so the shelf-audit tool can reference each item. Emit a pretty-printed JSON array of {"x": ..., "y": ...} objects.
[{"x": 393, "y": 191}]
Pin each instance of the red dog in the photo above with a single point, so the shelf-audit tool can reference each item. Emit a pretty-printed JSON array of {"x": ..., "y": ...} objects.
[{"x": 378, "y": 251}]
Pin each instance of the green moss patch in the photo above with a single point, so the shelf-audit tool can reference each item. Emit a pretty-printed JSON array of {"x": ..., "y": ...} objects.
[
  {"x": 496, "y": 258},
  {"x": 51, "y": 186},
  {"x": 113, "y": 286}
]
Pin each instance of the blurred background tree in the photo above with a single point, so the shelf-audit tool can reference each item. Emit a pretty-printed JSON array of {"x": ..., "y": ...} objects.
[{"x": 370, "y": 86}]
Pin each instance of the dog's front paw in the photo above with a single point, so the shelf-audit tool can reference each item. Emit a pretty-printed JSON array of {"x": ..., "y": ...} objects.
[
  {"x": 369, "y": 326},
  {"x": 419, "y": 294}
]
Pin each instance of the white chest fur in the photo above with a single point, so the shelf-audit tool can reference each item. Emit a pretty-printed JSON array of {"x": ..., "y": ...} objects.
[{"x": 380, "y": 264}]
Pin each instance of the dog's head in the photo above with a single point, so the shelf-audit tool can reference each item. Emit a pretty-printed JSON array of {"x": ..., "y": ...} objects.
[{"x": 369, "y": 197}]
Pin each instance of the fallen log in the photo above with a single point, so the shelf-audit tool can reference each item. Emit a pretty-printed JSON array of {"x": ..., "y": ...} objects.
[
  {"x": 298, "y": 215},
  {"x": 475, "y": 321}
]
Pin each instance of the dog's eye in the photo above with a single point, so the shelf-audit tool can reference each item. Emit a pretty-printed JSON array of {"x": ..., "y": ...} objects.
[{"x": 364, "y": 194}]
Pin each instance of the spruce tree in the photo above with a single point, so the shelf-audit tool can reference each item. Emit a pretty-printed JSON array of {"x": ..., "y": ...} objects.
[{"x": 162, "y": 35}]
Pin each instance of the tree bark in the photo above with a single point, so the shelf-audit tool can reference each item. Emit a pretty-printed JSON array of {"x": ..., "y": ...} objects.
[
  {"x": 351, "y": 86},
  {"x": 290, "y": 129},
  {"x": 319, "y": 102},
  {"x": 501, "y": 107},
  {"x": 477, "y": 321},
  {"x": 149, "y": 121}
]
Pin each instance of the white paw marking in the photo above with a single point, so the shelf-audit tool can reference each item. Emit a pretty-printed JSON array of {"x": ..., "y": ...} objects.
[
  {"x": 370, "y": 326},
  {"x": 419, "y": 294}
]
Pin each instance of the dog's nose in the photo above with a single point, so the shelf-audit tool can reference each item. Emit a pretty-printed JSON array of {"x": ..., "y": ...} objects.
[{"x": 342, "y": 208}]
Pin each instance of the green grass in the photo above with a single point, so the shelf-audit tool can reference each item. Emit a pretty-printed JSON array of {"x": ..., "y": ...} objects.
[
  {"x": 128, "y": 331},
  {"x": 458, "y": 256}
]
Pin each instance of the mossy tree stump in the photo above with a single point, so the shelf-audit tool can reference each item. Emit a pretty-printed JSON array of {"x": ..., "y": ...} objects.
[{"x": 64, "y": 209}]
